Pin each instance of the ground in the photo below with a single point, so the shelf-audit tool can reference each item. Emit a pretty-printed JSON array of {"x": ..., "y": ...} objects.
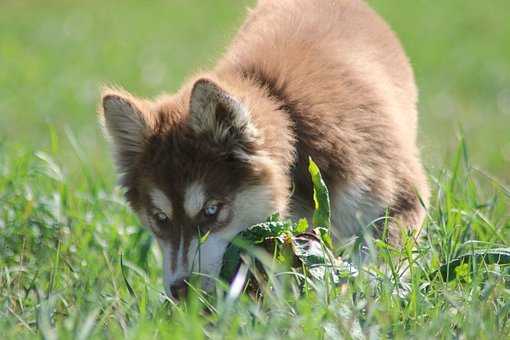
[{"x": 64, "y": 226}]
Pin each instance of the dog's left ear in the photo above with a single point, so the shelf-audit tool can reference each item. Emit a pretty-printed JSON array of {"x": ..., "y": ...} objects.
[{"x": 215, "y": 112}]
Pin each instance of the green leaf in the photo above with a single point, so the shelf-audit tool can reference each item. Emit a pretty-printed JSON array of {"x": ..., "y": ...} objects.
[
  {"x": 318, "y": 260},
  {"x": 262, "y": 231},
  {"x": 255, "y": 235},
  {"x": 462, "y": 272},
  {"x": 325, "y": 237},
  {"x": 231, "y": 262},
  {"x": 302, "y": 226},
  {"x": 322, "y": 213},
  {"x": 449, "y": 270}
]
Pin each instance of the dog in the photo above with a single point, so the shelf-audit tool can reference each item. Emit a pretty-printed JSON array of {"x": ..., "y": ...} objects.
[{"x": 302, "y": 78}]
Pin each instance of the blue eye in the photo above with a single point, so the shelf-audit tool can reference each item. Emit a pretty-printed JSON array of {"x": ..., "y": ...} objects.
[{"x": 211, "y": 209}]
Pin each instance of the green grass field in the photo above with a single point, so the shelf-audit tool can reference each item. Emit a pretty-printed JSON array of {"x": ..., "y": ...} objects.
[{"x": 64, "y": 225}]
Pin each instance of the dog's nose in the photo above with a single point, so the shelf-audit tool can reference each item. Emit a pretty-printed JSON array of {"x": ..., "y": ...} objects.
[{"x": 179, "y": 290}]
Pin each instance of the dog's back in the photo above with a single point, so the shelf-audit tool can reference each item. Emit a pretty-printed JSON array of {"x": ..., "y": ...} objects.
[
  {"x": 349, "y": 90},
  {"x": 320, "y": 78}
]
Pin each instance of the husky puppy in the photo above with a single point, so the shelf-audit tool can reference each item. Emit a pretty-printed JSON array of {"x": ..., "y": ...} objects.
[{"x": 302, "y": 78}]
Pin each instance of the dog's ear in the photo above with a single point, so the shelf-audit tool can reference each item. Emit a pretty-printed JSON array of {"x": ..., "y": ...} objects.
[
  {"x": 217, "y": 113},
  {"x": 128, "y": 123}
]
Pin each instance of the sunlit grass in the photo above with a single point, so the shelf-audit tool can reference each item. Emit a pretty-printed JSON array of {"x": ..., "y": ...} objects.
[{"x": 62, "y": 241}]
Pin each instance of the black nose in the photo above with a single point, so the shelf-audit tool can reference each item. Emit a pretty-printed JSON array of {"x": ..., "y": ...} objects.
[{"x": 179, "y": 290}]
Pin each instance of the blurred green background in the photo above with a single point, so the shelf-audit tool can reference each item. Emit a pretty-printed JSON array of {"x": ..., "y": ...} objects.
[{"x": 56, "y": 54}]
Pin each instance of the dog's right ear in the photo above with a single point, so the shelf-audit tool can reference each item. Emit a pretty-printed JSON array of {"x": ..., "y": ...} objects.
[{"x": 128, "y": 123}]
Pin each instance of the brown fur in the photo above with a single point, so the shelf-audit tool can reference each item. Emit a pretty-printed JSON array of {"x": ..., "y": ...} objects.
[
  {"x": 339, "y": 72},
  {"x": 326, "y": 79}
]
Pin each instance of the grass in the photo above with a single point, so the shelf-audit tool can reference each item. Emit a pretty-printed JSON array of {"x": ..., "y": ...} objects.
[
  {"x": 75, "y": 262},
  {"x": 64, "y": 227}
]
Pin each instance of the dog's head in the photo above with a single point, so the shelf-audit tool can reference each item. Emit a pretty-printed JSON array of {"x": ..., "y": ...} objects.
[{"x": 194, "y": 168}]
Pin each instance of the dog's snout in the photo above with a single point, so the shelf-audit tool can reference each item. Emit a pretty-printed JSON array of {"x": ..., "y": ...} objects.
[{"x": 179, "y": 290}]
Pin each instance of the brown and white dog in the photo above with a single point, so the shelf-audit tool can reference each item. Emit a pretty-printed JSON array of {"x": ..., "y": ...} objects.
[{"x": 326, "y": 79}]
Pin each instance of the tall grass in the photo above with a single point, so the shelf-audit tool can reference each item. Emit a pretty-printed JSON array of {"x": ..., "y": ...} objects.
[{"x": 76, "y": 263}]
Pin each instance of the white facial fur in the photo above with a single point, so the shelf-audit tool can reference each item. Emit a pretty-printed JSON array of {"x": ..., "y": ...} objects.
[
  {"x": 250, "y": 206},
  {"x": 162, "y": 202},
  {"x": 194, "y": 199}
]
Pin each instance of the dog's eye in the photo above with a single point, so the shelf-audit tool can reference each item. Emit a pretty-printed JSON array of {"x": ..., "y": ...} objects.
[
  {"x": 160, "y": 216},
  {"x": 211, "y": 209}
]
